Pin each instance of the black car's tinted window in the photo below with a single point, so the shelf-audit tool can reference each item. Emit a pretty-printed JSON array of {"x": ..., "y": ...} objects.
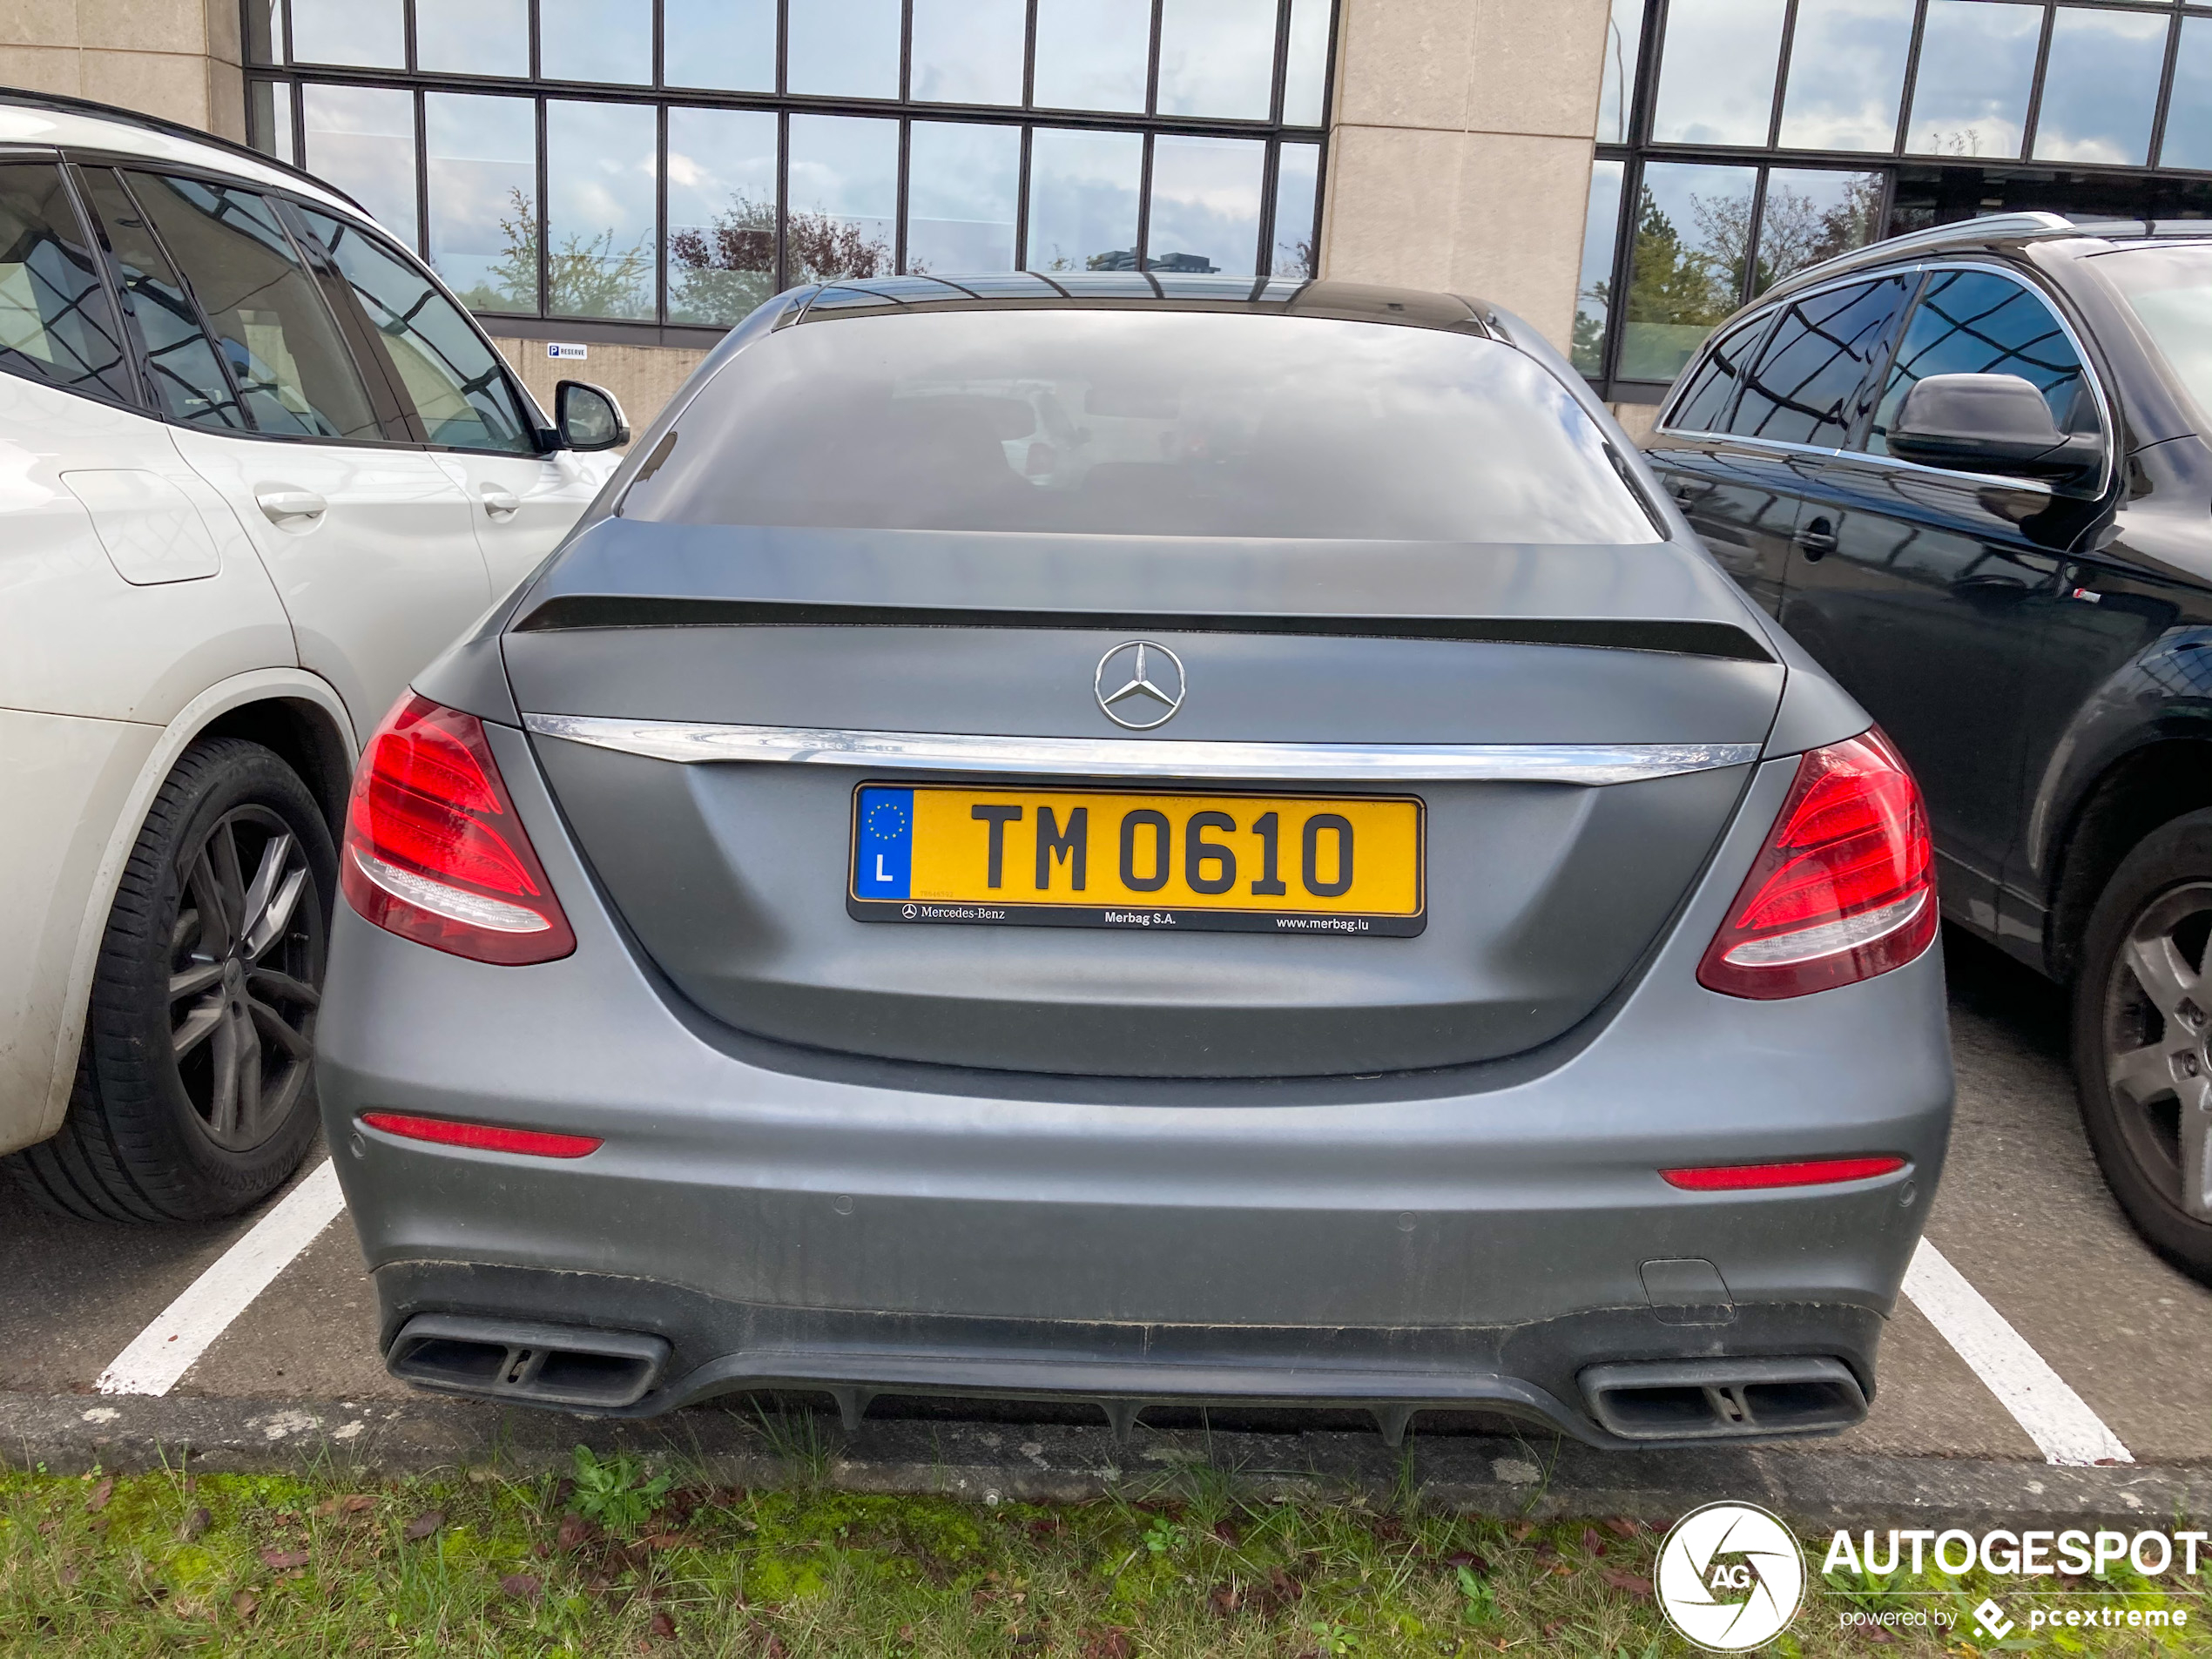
[
  {"x": 1981, "y": 322},
  {"x": 454, "y": 381},
  {"x": 1705, "y": 407},
  {"x": 55, "y": 324},
  {"x": 1128, "y": 422},
  {"x": 188, "y": 378},
  {"x": 294, "y": 372},
  {"x": 1807, "y": 383}
]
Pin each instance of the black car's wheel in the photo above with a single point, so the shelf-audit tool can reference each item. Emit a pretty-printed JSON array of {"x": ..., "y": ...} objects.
[
  {"x": 2143, "y": 1019},
  {"x": 196, "y": 1093}
]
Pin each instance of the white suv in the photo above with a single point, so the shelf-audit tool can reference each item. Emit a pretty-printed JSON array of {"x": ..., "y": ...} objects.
[{"x": 257, "y": 467}]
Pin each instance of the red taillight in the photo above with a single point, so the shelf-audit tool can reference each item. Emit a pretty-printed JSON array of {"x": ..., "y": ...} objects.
[
  {"x": 483, "y": 1137},
  {"x": 1845, "y": 888},
  {"x": 1813, "y": 1172},
  {"x": 433, "y": 851}
]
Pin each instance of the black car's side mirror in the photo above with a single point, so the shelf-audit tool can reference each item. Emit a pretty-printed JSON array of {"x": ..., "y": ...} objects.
[
  {"x": 587, "y": 417},
  {"x": 1996, "y": 423}
]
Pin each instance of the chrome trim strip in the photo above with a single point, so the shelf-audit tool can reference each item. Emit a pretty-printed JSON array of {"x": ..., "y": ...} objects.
[{"x": 689, "y": 745}]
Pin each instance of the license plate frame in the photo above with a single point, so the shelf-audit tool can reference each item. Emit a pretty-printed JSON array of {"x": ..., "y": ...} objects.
[{"x": 894, "y": 898}]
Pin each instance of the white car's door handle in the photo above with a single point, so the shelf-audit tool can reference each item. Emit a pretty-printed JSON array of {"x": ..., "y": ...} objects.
[
  {"x": 288, "y": 507},
  {"x": 499, "y": 504}
]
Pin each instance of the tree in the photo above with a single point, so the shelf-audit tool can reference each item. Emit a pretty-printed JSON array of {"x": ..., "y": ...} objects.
[
  {"x": 585, "y": 276},
  {"x": 1795, "y": 231},
  {"x": 1587, "y": 347},
  {"x": 511, "y": 284},
  {"x": 718, "y": 273},
  {"x": 821, "y": 246},
  {"x": 1673, "y": 282},
  {"x": 1697, "y": 283}
]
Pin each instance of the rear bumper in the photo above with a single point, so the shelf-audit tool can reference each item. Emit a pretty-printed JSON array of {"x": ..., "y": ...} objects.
[
  {"x": 1477, "y": 1237},
  {"x": 1540, "y": 1372}
]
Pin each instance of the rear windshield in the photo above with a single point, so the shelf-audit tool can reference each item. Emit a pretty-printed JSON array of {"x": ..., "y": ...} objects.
[
  {"x": 1132, "y": 424},
  {"x": 2169, "y": 289}
]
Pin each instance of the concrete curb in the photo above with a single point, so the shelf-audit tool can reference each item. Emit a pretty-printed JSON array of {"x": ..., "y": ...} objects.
[{"x": 1057, "y": 1462}]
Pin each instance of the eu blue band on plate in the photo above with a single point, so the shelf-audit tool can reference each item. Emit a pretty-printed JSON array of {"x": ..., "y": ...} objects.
[{"x": 885, "y": 861}]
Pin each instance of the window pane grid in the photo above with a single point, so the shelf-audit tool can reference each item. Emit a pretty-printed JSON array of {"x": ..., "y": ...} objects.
[
  {"x": 914, "y": 136},
  {"x": 1889, "y": 115}
]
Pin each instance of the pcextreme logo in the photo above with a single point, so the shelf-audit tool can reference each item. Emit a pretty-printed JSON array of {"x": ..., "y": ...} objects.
[{"x": 1730, "y": 1577}]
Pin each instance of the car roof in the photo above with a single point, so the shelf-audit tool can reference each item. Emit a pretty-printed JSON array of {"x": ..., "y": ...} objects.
[
  {"x": 79, "y": 123},
  {"x": 1152, "y": 290},
  {"x": 1996, "y": 234}
]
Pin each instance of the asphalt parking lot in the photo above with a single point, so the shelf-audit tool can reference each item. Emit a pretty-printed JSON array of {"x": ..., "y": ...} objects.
[{"x": 2059, "y": 1338}]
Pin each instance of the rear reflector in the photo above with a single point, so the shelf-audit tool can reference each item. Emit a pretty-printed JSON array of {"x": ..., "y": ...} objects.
[
  {"x": 1816, "y": 1172},
  {"x": 1845, "y": 887},
  {"x": 483, "y": 1137},
  {"x": 433, "y": 851}
]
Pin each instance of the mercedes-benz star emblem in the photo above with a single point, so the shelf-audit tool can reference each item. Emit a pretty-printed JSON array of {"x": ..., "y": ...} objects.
[{"x": 1140, "y": 685}]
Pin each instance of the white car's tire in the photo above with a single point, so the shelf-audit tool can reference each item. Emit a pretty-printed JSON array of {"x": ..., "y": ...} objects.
[{"x": 195, "y": 1095}]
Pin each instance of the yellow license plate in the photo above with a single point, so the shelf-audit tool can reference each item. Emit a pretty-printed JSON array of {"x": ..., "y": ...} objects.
[{"x": 1096, "y": 858}]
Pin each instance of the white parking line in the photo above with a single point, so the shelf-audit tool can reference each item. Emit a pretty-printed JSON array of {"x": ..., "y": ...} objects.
[
  {"x": 2056, "y": 1418},
  {"x": 165, "y": 1350}
]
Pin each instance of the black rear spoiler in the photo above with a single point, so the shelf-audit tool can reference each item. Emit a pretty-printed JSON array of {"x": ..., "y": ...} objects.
[{"x": 569, "y": 612}]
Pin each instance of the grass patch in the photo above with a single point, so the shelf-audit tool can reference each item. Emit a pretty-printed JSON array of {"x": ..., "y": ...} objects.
[{"x": 620, "y": 1558}]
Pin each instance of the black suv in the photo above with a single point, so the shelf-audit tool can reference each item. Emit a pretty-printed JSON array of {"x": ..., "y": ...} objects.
[{"x": 1969, "y": 470}]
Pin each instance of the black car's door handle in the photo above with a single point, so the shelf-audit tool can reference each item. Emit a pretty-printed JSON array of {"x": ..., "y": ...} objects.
[
  {"x": 1687, "y": 490},
  {"x": 1816, "y": 540}
]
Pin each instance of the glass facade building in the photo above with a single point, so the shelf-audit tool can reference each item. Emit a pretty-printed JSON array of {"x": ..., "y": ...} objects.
[
  {"x": 1739, "y": 140},
  {"x": 661, "y": 166}
]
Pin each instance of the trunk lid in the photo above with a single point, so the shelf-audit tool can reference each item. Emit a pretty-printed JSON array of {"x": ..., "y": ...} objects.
[{"x": 1542, "y": 889}]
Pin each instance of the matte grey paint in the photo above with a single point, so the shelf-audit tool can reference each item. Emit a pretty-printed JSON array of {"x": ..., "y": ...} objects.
[
  {"x": 470, "y": 676},
  {"x": 1687, "y": 1291},
  {"x": 726, "y": 877},
  {"x": 1531, "y": 1182},
  {"x": 1815, "y": 710}
]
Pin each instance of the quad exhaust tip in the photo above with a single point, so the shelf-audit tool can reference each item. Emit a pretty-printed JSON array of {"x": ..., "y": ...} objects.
[
  {"x": 1724, "y": 1400},
  {"x": 536, "y": 1364}
]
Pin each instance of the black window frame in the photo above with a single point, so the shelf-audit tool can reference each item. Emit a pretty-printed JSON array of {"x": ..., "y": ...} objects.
[
  {"x": 285, "y": 79},
  {"x": 1943, "y": 189}
]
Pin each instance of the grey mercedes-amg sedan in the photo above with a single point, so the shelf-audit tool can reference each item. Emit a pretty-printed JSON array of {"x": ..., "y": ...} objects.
[{"x": 1143, "y": 839}]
